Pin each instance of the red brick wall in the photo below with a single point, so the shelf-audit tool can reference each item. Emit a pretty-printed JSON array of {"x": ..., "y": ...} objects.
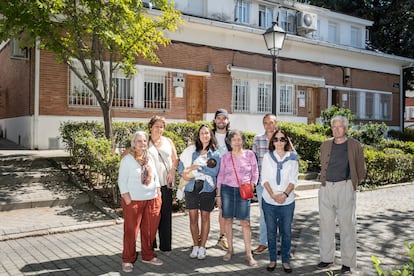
[
  {"x": 16, "y": 82},
  {"x": 55, "y": 80}
]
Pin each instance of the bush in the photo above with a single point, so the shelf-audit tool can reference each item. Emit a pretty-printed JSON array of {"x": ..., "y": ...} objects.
[
  {"x": 329, "y": 113},
  {"x": 406, "y": 269},
  {"x": 307, "y": 141},
  {"x": 369, "y": 134},
  {"x": 388, "y": 161},
  {"x": 407, "y": 135},
  {"x": 390, "y": 166}
]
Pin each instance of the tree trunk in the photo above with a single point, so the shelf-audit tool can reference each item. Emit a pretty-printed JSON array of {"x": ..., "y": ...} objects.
[{"x": 107, "y": 116}]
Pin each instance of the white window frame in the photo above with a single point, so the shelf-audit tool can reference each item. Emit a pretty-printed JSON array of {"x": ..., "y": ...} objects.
[
  {"x": 333, "y": 35},
  {"x": 123, "y": 92},
  {"x": 287, "y": 20},
  {"x": 80, "y": 94},
  {"x": 265, "y": 16},
  {"x": 286, "y": 99},
  {"x": 154, "y": 89},
  {"x": 264, "y": 97},
  {"x": 409, "y": 112},
  {"x": 133, "y": 97},
  {"x": 16, "y": 51},
  {"x": 356, "y": 37},
  {"x": 378, "y": 108},
  {"x": 240, "y": 96},
  {"x": 243, "y": 11}
]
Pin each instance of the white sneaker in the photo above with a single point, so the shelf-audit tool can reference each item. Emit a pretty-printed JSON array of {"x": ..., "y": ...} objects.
[
  {"x": 194, "y": 253},
  {"x": 201, "y": 253}
]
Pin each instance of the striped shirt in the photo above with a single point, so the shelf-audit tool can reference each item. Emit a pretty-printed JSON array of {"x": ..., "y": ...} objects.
[{"x": 260, "y": 148}]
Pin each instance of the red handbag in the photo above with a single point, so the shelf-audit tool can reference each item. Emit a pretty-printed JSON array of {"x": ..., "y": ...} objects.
[{"x": 246, "y": 189}]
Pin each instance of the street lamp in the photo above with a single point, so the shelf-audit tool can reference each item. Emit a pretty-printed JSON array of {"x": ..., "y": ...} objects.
[{"x": 274, "y": 38}]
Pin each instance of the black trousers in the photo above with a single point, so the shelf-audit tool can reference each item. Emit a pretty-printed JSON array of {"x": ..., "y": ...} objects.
[{"x": 165, "y": 226}]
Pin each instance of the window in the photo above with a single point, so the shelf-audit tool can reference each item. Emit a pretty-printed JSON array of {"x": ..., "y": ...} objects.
[
  {"x": 122, "y": 96},
  {"x": 80, "y": 95},
  {"x": 316, "y": 34},
  {"x": 264, "y": 98},
  {"x": 287, "y": 20},
  {"x": 286, "y": 99},
  {"x": 355, "y": 37},
  {"x": 17, "y": 51},
  {"x": 265, "y": 16},
  {"x": 332, "y": 32},
  {"x": 240, "y": 96},
  {"x": 255, "y": 96},
  {"x": 242, "y": 11},
  {"x": 371, "y": 105},
  {"x": 409, "y": 112},
  {"x": 150, "y": 88},
  {"x": 155, "y": 91}
]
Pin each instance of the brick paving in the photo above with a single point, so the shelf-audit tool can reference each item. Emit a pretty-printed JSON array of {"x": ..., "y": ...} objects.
[
  {"x": 384, "y": 223},
  {"x": 85, "y": 241}
]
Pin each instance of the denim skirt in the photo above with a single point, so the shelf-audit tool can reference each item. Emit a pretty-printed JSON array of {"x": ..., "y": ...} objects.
[{"x": 232, "y": 206}]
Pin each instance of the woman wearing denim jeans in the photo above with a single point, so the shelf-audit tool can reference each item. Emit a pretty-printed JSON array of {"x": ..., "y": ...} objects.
[{"x": 280, "y": 170}]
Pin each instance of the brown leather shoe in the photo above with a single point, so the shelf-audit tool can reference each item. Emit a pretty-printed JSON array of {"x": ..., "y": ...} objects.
[{"x": 260, "y": 249}]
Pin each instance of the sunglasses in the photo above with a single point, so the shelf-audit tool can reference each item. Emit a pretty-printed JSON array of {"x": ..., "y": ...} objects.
[{"x": 281, "y": 139}]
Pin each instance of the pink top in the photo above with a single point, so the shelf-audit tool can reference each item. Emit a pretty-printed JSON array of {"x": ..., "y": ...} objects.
[{"x": 246, "y": 168}]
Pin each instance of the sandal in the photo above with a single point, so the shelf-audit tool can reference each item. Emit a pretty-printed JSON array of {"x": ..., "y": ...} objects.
[
  {"x": 252, "y": 262},
  {"x": 286, "y": 268},
  {"x": 270, "y": 267},
  {"x": 127, "y": 267},
  {"x": 227, "y": 257}
]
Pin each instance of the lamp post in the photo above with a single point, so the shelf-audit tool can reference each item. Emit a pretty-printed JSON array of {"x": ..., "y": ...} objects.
[{"x": 274, "y": 38}]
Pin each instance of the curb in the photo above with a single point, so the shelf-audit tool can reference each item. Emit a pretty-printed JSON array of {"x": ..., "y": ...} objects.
[{"x": 56, "y": 230}]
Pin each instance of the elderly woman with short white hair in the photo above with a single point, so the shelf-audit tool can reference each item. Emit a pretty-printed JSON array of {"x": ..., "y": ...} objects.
[{"x": 141, "y": 202}]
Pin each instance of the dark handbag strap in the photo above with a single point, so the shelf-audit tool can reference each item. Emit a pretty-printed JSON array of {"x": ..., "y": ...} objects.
[{"x": 162, "y": 159}]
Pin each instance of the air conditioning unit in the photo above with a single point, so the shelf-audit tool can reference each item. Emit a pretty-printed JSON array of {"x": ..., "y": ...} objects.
[{"x": 306, "y": 22}]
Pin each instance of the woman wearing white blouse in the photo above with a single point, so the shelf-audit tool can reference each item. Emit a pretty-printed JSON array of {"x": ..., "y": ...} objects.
[
  {"x": 280, "y": 170},
  {"x": 141, "y": 202}
]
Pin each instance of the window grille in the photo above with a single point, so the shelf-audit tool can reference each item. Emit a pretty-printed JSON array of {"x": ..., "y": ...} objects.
[
  {"x": 286, "y": 99},
  {"x": 264, "y": 98},
  {"x": 156, "y": 89},
  {"x": 123, "y": 94},
  {"x": 240, "y": 96}
]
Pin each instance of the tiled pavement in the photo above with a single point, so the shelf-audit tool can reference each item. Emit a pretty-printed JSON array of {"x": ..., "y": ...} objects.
[{"x": 384, "y": 224}]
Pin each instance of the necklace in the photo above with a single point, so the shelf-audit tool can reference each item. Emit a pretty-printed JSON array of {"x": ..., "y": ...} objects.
[{"x": 157, "y": 142}]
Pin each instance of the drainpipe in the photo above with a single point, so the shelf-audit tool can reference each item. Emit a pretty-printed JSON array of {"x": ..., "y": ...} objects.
[{"x": 35, "y": 125}]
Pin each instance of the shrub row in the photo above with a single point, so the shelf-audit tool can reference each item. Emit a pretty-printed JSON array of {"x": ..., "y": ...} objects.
[{"x": 388, "y": 161}]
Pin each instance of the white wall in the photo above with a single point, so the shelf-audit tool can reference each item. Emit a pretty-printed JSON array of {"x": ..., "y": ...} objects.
[
  {"x": 17, "y": 130},
  {"x": 48, "y": 134}
]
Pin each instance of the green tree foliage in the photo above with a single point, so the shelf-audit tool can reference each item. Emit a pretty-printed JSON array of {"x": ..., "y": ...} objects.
[
  {"x": 393, "y": 22},
  {"x": 94, "y": 38},
  {"x": 329, "y": 113}
]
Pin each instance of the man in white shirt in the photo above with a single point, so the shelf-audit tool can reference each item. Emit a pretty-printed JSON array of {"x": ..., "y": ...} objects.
[{"x": 221, "y": 125}]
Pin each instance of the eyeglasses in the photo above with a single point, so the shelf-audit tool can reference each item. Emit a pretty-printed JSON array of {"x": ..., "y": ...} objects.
[{"x": 281, "y": 139}]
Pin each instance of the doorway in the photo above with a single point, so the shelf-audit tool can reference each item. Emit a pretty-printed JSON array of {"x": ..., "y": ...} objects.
[{"x": 195, "y": 97}]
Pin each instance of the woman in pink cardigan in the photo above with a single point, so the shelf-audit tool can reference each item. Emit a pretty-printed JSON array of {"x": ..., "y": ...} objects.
[{"x": 237, "y": 166}]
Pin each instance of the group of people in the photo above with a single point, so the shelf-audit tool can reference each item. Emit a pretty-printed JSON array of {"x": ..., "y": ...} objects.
[{"x": 212, "y": 170}]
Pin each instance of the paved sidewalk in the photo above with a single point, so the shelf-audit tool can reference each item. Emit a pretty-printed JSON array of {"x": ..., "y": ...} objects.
[
  {"x": 384, "y": 224},
  {"x": 43, "y": 241}
]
